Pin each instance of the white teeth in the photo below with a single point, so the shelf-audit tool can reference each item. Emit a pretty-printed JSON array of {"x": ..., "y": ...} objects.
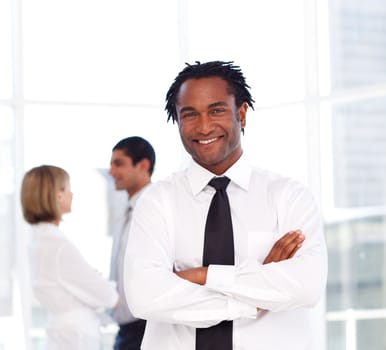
[{"x": 205, "y": 142}]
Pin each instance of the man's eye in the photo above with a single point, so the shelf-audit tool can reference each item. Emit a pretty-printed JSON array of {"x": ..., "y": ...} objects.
[
  {"x": 189, "y": 115},
  {"x": 218, "y": 111}
]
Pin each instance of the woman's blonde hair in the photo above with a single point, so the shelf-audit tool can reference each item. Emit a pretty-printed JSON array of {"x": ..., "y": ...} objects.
[{"x": 39, "y": 193}]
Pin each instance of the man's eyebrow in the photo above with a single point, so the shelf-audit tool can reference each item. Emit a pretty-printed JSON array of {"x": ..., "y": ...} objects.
[
  {"x": 212, "y": 105},
  {"x": 218, "y": 104},
  {"x": 186, "y": 109}
]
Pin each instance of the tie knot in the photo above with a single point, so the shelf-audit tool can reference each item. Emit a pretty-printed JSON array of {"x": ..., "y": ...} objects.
[
  {"x": 128, "y": 211},
  {"x": 219, "y": 183}
]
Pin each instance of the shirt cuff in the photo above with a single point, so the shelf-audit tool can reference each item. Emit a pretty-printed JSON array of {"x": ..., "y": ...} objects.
[
  {"x": 220, "y": 276},
  {"x": 238, "y": 309}
]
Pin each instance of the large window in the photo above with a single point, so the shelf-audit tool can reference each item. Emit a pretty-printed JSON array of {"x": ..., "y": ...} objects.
[
  {"x": 355, "y": 175},
  {"x": 78, "y": 76},
  {"x": 7, "y": 174}
]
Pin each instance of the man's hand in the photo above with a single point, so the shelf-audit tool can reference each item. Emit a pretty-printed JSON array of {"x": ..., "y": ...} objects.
[
  {"x": 285, "y": 247},
  {"x": 194, "y": 275}
]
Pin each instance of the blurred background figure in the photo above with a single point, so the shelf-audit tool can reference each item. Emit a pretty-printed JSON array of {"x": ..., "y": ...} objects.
[
  {"x": 63, "y": 282},
  {"x": 132, "y": 165}
]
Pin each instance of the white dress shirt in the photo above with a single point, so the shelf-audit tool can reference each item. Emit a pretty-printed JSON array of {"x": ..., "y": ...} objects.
[
  {"x": 167, "y": 234},
  {"x": 69, "y": 288}
]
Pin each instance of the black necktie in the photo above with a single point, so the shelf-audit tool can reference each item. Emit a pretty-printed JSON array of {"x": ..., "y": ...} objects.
[{"x": 218, "y": 249}]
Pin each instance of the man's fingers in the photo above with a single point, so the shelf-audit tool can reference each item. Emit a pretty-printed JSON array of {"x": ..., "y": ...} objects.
[
  {"x": 290, "y": 244},
  {"x": 285, "y": 247},
  {"x": 296, "y": 248}
]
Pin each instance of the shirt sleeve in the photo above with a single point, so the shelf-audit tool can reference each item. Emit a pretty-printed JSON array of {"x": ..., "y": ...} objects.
[
  {"x": 289, "y": 284},
  {"x": 82, "y": 281}
]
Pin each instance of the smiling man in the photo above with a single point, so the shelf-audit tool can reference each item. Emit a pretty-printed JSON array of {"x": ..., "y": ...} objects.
[
  {"x": 210, "y": 123},
  {"x": 223, "y": 255}
]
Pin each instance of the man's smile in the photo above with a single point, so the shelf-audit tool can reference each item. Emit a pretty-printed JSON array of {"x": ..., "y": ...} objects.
[{"x": 208, "y": 141}]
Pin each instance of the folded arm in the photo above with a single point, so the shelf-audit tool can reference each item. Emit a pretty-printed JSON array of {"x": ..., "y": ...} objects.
[
  {"x": 285, "y": 248},
  {"x": 292, "y": 275}
]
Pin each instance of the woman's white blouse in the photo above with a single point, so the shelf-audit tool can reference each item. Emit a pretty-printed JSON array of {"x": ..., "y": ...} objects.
[{"x": 67, "y": 286}]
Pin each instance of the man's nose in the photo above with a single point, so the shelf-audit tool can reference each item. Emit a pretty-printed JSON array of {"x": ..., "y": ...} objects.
[{"x": 204, "y": 124}]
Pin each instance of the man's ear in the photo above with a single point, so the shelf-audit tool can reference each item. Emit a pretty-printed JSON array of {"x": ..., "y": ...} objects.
[
  {"x": 243, "y": 115},
  {"x": 144, "y": 164}
]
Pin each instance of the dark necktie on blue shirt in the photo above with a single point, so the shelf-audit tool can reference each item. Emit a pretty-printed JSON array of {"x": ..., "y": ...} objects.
[{"x": 219, "y": 250}]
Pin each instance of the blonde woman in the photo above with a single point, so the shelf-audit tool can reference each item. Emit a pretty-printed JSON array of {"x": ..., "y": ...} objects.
[{"x": 63, "y": 282}]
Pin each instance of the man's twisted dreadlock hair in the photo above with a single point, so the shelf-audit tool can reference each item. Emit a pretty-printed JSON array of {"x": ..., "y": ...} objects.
[{"x": 225, "y": 70}]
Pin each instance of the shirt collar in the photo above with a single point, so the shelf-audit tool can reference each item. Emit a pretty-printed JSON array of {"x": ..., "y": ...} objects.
[
  {"x": 239, "y": 173},
  {"x": 44, "y": 228},
  {"x": 134, "y": 197}
]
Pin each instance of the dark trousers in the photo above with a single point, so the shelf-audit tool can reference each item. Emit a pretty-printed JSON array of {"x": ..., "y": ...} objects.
[{"x": 129, "y": 336}]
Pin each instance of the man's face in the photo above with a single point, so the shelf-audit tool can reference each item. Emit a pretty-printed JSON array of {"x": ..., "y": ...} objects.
[
  {"x": 126, "y": 175},
  {"x": 210, "y": 123}
]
